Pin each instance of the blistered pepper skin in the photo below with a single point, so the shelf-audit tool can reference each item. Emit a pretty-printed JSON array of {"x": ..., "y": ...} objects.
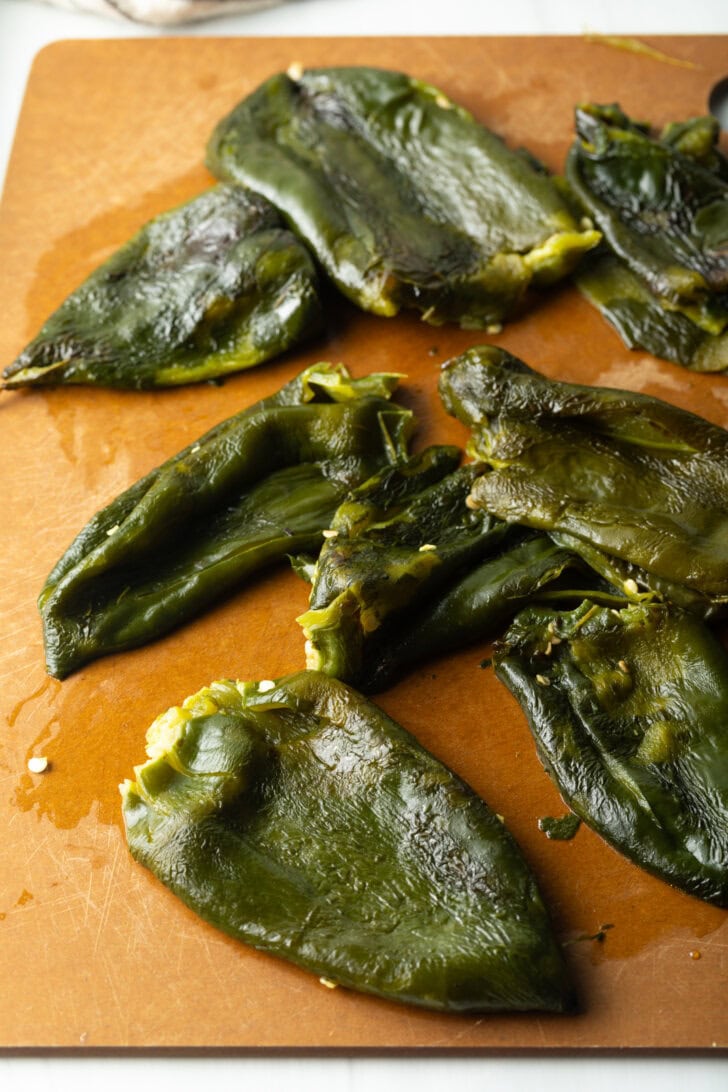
[
  {"x": 297, "y": 817},
  {"x": 404, "y": 199},
  {"x": 631, "y": 476},
  {"x": 629, "y": 710},
  {"x": 257, "y": 487},
  {"x": 210, "y": 288}
]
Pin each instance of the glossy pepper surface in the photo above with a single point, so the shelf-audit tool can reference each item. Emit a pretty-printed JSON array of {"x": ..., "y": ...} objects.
[
  {"x": 297, "y": 817},
  {"x": 629, "y": 709},
  {"x": 404, "y": 198},
  {"x": 258, "y": 486},
  {"x": 397, "y": 540},
  {"x": 209, "y": 288},
  {"x": 629, "y": 475},
  {"x": 662, "y": 205}
]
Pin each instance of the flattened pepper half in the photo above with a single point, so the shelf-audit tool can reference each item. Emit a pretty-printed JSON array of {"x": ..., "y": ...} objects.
[
  {"x": 212, "y": 287},
  {"x": 297, "y": 817},
  {"x": 258, "y": 486},
  {"x": 629, "y": 710},
  {"x": 404, "y": 198},
  {"x": 662, "y": 204},
  {"x": 630, "y": 476}
]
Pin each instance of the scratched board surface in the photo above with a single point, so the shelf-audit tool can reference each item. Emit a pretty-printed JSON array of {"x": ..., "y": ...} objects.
[{"x": 94, "y": 951}]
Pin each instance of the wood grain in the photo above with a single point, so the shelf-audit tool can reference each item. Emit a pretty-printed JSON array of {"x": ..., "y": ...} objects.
[{"x": 94, "y": 951}]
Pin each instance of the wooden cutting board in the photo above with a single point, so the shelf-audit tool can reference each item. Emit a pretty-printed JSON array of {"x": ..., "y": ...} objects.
[{"x": 94, "y": 952}]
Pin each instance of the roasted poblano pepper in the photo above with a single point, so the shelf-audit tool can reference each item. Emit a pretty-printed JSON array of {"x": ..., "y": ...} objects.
[
  {"x": 210, "y": 288},
  {"x": 258, "y": 486},
  {"x": 405, "y": 200},
  {"x": 644, "y": 322},
  {"x": 630, "y": 476},
  {"x": 297, "y": 817},
  {"x": 629, "y": 709},
  {"x": 474, "y": 607},
  {"x": 662, "y": 205},
  {"x": 395, "y": 541}
]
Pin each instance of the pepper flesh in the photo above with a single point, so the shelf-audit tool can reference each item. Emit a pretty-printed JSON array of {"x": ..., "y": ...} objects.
[
  {"x": 629, "y": 711},
  {"x": 259, "y": 485},
  {"x": 405, "y": 200},
  {"x": 662, "y": 205},
  {"x": 634, "y": 477},
  {"x": 297, "y": 817},
  {"x": 210, "y": 288}
]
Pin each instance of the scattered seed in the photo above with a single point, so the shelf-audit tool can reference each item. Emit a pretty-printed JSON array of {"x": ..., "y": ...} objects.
[
  {"x": 265, "y": 685},
  {"x": 586, "y": 224},
  {"x": 328, "y": 983},
  {"x": 443, "y": 102},
  {"x": 427, "y": 546},
  {"x": 547, "y": 650},
  {"x": 194, "y": 448},
  {"x": 695, "y": 954},
  {"x": 330, "y": 533},
  {"x": 543, "y": 681},
  {"x": 295, "y": 71},
  {"x": 471, "y": 502},
  {"x": 38, "y": 764},
  {"x": 494, "y": 328},
  {"x": 630, "y": 587},
  {"x": 623, "y": 667},
  {"x": 113, "y": 530}
]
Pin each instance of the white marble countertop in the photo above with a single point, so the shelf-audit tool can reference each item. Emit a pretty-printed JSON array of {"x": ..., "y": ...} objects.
[{"x": 25, "y": 27}]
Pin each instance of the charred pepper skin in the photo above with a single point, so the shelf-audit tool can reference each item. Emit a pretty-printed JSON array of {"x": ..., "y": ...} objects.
[
  {"x": 629, "y": 711},
  {"x": 210, "y": 288},
  {"x": 631, "y": 476},
  {"x": 297, "y": 817},
  {"x": 258, "y": 486},
  {"x": 403, "y": 197},
  {"x": 662, "y": 204}
]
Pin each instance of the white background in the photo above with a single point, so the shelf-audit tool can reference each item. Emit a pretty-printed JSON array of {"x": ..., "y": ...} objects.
[{"x": 26, "y": 26}]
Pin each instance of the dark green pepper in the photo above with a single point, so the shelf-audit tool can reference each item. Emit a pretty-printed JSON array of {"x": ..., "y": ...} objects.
[
  {"x": 405, "y": 200},
  {"x": 400, "y": 538},
  {"x": 210, "y": 288},
  {"x": 629, "y": 709},
  {"x": 643, "y": 321},
  {"x": 634, "y": 477},
  {"x": 474, "y": 607},
  {"x": 662, "y": 205},
  {"x": 258, "y": 486},
  {"x": 297, "y": 817}
]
